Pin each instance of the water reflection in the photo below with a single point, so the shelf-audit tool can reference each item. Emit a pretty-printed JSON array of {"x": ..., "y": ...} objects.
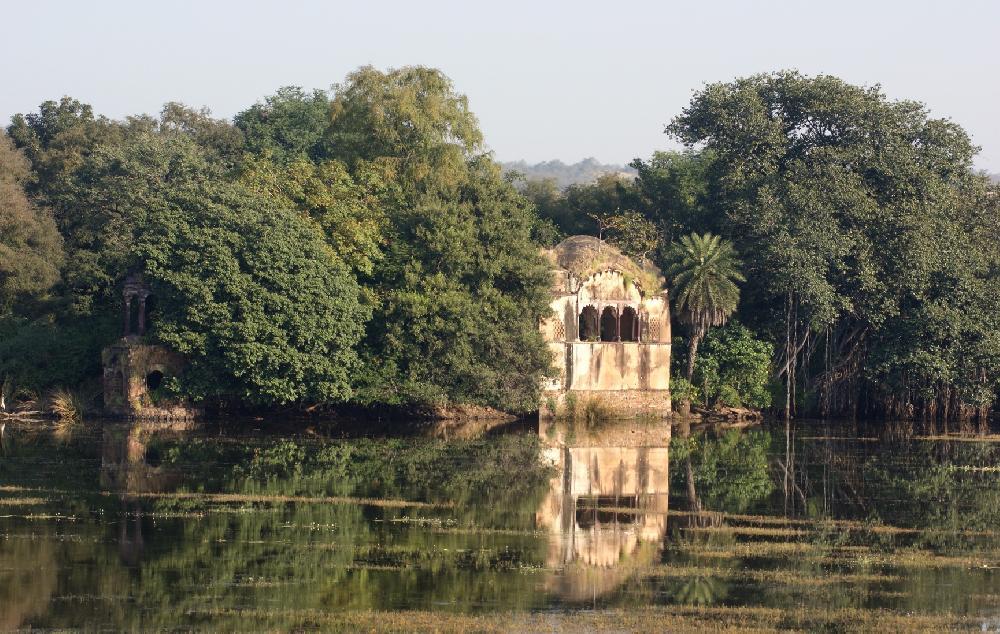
[
  {"x": 606, "y": 509},
  {"x": 138, "y": 527}
]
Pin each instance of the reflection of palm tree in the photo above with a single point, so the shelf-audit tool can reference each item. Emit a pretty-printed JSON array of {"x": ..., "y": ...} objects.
[{"x": 702, "y": 590}]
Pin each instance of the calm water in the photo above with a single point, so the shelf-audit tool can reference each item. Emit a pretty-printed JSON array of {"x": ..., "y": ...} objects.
[{"x": 124, "y": 527}]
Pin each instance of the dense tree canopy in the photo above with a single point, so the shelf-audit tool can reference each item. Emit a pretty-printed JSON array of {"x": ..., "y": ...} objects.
[
  {"x": 862, "y": 216},
  {"x": 253, "y": 295},
  {"x": 316, "y": 230},
  {"x": 30, "y": 244}
]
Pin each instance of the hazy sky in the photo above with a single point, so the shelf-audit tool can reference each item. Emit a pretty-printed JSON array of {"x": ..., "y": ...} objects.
[{"x": 547, "y": 80}]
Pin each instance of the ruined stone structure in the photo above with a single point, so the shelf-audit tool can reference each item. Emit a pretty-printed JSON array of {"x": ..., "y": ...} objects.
[
  {"x": 606, "y": 510},
  {"x": 134, "y": 371},
  {"x": 609, "y": 331}
]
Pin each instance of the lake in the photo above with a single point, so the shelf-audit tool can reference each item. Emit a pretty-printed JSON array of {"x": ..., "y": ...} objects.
[{"x": 525, "y": 527}]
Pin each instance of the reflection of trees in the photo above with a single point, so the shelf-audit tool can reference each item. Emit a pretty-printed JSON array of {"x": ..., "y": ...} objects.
[
  {"x": 727, "y": 473},
  {"x": 200, "y": 563},
  {"x": 28, "y": 578}
]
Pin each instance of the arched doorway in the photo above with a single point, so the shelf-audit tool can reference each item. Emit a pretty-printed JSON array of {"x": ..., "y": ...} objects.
[
  {"x": 629, "y": 325},
  {"x": 589, "y": 330},
  {"x": 609, "y": 324}
]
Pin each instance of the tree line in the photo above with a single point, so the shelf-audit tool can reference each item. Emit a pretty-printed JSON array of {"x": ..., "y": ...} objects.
[
  {"x": 359, "y": 245},
  {"x": 356, "y": 245}
]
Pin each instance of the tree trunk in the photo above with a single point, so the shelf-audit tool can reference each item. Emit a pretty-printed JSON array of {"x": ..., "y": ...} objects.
[{"x": 692, "y": 354}]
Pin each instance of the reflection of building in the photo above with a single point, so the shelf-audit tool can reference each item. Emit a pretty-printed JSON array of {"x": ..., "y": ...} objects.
[
  {"x": 610, "y": 329},
  {"x": 135, "y": 372},
  {"x": 128, "y": 469},
  {"x": 606, "y": 510}
]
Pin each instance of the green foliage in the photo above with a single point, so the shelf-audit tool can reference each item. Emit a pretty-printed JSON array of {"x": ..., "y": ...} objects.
[
  {"x": 703, "y": 271},
  {"x": 673, "y": 190},
  {"x": 461, "y": 285},
  {"x": 731, "y": 470},
  {"x": 253, "y": 296},
  {"x": 463, "y": 288},
  {"x": 287, "y": 126},
  {"x": 682, "y": 390},
  {"x": 349, "y": 211},
  {"x": 30, "y": 245},
  {"x": 575, "y": 210},
  {"x": 410, "y": 118},
  {"x": 40, "y": 353},
  {"x": 734, "y": 367},
  {"x": 862, "y": 217},
  {"x": 631, "y": 232}
]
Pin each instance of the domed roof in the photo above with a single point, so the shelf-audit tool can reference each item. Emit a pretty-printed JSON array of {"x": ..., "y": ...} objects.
[{"x": 584, "y": 256}]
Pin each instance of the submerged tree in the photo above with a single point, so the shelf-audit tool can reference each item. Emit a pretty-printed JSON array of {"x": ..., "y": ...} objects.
[{"x": 703, "y": 270}]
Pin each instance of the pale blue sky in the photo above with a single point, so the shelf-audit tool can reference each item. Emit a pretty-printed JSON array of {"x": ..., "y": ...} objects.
[{"x": 547, "y": 80}]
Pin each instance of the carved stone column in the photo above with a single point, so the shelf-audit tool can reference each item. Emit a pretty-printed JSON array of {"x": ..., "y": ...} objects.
[
  {"x": 128, "y": 315},
  {"x": 142, "y": 315}
]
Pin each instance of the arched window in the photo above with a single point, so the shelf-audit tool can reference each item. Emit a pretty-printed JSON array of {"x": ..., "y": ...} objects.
[
  {"x": 588, "y": 324},
  {"x": 629, "y": 325},
  {"x": 609, "y": 324}
]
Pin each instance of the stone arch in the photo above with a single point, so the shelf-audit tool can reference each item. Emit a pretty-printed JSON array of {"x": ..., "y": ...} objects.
[
  {"x": 609, "y": 324},
  {"x": 629, "y": 324},
  {"x": 154, "y": 380},
  {"x": 589, "y": 324}
]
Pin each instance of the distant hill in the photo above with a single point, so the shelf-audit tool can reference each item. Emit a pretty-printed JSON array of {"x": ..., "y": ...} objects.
[
  {"x": 995, "y": 178},
  {"x": 585, "y": 171}
]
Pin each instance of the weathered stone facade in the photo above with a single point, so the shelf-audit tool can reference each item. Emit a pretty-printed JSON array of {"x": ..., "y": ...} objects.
[
  {"x": 133, "y": 376},
  {"x": 609, "y": 331},
  {"x": 134, "y": 371}
]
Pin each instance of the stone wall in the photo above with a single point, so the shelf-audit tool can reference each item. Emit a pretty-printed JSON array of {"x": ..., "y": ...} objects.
[
  {"x": 622, "y": 404},
  {"x": 133, "y": 376}
]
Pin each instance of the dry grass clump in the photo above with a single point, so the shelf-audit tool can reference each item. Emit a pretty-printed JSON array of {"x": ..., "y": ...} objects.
[
  {"x": 590, "y": 411},
  {"x": 66, "y": 405}
]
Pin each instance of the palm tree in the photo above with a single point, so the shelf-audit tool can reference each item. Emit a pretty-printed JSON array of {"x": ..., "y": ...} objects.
[{"x": 704, "y": 271}]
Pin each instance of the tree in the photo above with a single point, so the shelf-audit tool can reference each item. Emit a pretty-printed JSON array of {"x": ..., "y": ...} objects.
[
  {"x": 30, "y": 245},
  {"x": 288, "y": 125},
  {"x": 462, "y": 287},
  {"x": 250, "y": 292},
  {"x": 861, "y": 222},
  {"x": 673, "y": 189},
  {"x": 253, "y": 296},
  {"x": 349, "y": 211},
  {"x": 631, "y": 232},
  {"x": 734, "y": 367},
  {"x": 703, "y": 270},
  {"x": 217, "y": 136},
  {"x": 410, "y": 118}
]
